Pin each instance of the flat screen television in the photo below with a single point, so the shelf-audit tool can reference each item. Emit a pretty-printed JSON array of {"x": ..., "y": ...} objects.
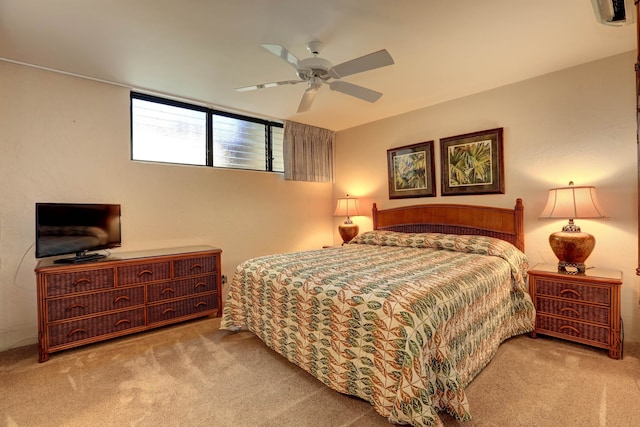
[{"x": 76, "y": 228}]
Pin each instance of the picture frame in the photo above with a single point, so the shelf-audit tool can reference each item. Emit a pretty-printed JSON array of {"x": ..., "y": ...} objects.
[
  {"x": 411, "y": 171},
  {"x": 483, "y": 150}
]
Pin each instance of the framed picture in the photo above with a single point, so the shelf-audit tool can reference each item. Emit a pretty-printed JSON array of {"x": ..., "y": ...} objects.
[
  {"x": 472, "y": 163},
  {"x": 411, "y": 171}
]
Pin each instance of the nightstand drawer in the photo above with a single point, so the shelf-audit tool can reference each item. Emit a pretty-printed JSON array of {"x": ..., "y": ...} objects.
[
  {"x": 583, "y": 331},
  {"x": 573, "y": 310},
  {"x": 577, "y": 291}
]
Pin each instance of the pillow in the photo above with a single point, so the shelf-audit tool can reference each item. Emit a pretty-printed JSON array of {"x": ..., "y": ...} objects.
[{"x": 481, "y": 245}]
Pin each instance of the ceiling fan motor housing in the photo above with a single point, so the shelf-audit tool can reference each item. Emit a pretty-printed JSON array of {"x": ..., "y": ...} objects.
[{"x": 315, "y": 67}]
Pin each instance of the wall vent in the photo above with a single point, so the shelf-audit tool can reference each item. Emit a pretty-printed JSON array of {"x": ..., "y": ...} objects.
[{"x": 614, "y": 12}]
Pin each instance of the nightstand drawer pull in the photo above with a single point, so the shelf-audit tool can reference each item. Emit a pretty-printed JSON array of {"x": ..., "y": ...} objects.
[
  {"x": 194, "y": 266},
  {"x": 143, "y": 272},
  {"x": 571, "y": 328},
  {"x": 570, "y": 291},
  {"x": 200, "y": 304},
  {"x": 572, "y": 310},
  {"x": 71, "y": 307},
  {"x": 167, "y": 291},
  {"x": 168, "y": 310},
  {"x": 197, "y": 285}
]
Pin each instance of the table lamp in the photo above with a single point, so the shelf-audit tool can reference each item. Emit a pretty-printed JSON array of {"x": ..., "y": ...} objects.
[
  {"x": 572, "y": 246},
  {"x": 347, "y": 207}
]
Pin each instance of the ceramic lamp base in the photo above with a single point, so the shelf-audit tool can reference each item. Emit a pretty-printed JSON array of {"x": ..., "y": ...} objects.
[
  {"x": 572, "y": 249},
  {"x": 348, "y": 232}
]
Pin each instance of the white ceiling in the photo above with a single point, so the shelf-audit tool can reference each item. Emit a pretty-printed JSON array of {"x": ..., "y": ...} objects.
[{"x": 200, "y": 50}]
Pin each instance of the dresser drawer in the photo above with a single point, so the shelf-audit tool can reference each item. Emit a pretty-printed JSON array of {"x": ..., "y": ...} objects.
[
  {"x": 158, "y": 313},
  {"x": 78, "y": 281},
  {"x": 68, "y": 332},
  {"x": 577, "y": 291},
  {"x": 67, "y": 308},
  {"x": 195, "y": 265},
  {"x": 145, "y": 272},
  {"x": 585, "y": 331},
  {"x": 180, "y": 288},
  {"x": 577, "y": 311}
]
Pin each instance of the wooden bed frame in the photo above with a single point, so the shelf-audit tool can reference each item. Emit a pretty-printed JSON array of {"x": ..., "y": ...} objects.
[{"x": 501, "y": 223}]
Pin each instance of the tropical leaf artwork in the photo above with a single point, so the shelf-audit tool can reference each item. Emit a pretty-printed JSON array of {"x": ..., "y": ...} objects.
[
  {"x": 410, "y": 171},
  {"x": 470, "y": 164}
]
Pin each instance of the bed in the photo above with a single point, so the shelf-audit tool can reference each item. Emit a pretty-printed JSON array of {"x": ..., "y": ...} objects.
[{"x": 404, "y": 316}]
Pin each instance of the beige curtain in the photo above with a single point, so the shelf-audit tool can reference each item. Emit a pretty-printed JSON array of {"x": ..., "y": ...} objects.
[{"x": 308, "y": 153}]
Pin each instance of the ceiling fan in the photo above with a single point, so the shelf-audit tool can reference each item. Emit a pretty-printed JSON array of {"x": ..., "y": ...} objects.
[{"x": 316, "y": 71}]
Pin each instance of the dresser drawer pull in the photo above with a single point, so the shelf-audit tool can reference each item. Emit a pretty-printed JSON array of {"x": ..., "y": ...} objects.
[
  {"x": 168, "y": 310},
  {"x": 121, "y": 298},
  {"x": 197, "y": 285},
  {"x": 201, "y": 303},
  {"x": 167, "y": 290},
  {"x": 572, "y": 310},
  {"x": 121, "y": 322},
  {"x": 570, "y": 291},
  {"x": 194, "y": 266},
  {"x": 82, "y": 281},
  {"x": 571, "y": 328},
  {"x": 77, "y": 331},
  {"x": 143, "y": 272},
  {"x": 71, "y": 307}
]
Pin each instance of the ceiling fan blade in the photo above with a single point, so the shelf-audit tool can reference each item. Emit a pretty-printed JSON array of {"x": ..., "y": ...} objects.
[
  {"x": 307, "y": 98},
  {"x": 374, "y": 60},
  {"x": 266, "y": 85},
  {"x": 283, "y": 53},
  {"x": 355, "y": 90}
]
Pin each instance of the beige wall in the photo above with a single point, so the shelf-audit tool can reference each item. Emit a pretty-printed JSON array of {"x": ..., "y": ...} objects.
[
  {"x": 66, "y": 139},
  {"x": 577, "y": 124}
]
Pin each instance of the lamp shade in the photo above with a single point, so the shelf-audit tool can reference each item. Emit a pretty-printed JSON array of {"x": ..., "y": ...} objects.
[
  {"x": 573, "y": 203},
  {"x": 347, "y": 207},
  {"x": 571, "y": 246}
]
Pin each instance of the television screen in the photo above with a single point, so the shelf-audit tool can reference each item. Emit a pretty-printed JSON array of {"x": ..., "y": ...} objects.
[{"x": 76, "y": 228}]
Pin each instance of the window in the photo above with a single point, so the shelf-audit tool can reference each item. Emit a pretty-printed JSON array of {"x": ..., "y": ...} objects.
[{"x": 176, "y": 132}]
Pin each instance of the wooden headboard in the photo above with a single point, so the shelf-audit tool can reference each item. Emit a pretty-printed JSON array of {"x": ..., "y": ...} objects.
[{"x": 501, "y": 223}]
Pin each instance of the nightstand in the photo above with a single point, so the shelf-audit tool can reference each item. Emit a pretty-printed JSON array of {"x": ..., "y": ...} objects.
[{"x": 583, "y": 308}]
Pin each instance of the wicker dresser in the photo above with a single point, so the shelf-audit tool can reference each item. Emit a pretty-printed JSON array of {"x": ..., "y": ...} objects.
[
  {"x": 584, "y": 308},
  {"x": 126, "y": 293}
]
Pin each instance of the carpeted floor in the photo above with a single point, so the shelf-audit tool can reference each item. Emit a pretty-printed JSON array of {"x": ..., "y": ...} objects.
[{"x": 193, "y": 374}]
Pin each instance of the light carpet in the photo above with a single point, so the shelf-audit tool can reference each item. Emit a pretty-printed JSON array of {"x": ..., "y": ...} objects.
[{"x": 194, "y": 374}]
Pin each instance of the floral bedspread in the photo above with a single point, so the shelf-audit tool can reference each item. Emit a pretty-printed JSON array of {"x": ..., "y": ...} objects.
[{"x": 403, "y": 321}]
